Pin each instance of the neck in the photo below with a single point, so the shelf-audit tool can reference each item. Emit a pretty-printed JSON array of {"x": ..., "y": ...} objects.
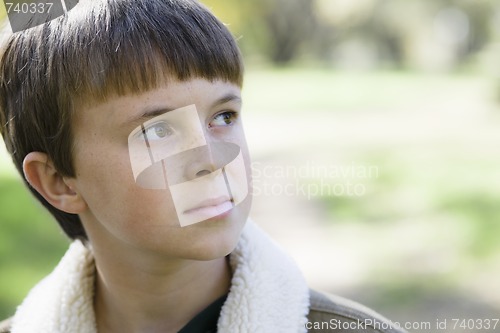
[{"x": 155, "y": 295}]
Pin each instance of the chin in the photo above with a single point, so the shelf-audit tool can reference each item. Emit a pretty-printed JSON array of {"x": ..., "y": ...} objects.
[
  {"x": 215, "y": 245},
  {"x": 218, "y": 236}
]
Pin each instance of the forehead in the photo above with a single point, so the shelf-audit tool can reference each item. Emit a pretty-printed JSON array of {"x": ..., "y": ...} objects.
[{"x": 170, "y": 95}]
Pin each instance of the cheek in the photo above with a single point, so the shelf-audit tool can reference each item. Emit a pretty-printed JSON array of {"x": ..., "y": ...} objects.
[
  {"x": 129, "y": 206},
  {"x": 106, "y": 183},
  {"x": 147, "y": 208},
  {"x": 240, "y": 139},
  {"x": 248, "y": 169},
  {"x": 104, "y": 172}
]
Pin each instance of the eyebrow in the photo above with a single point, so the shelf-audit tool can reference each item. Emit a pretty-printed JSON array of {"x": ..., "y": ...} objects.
[
  {"x": 226, "y": 99},
  {"x": 155, "y": 112}
]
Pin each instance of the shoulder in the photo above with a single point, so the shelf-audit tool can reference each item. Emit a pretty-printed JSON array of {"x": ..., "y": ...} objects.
[
  {"x": 5, "y": 326},
  {"x": 330, "y": 313}
]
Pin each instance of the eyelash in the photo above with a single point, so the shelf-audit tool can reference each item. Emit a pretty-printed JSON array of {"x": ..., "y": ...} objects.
[{"x": 233, "y": 116}]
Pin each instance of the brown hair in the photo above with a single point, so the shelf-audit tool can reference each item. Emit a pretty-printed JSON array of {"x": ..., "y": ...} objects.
[{"x": 99, "y": 49}]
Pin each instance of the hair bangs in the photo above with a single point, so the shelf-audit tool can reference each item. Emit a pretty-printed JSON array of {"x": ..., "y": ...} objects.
[{"x": 134, "y": 52}]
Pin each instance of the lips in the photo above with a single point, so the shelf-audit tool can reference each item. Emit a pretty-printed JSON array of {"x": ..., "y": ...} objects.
[{"x": 211, "y": 207}]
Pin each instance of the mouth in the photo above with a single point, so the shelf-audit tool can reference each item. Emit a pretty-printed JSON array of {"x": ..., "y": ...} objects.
[{"x": 211, "y": 207}]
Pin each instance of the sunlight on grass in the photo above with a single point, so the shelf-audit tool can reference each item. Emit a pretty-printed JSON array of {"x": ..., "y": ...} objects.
[{"x": 296, "y": 90}]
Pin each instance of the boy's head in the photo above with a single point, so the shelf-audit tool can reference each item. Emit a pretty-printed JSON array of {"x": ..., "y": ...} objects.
[{"x": 102, "y": 49}]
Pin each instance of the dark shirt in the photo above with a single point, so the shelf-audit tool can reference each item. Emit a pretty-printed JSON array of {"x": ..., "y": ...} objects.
[{"x": 206, "y": 320}]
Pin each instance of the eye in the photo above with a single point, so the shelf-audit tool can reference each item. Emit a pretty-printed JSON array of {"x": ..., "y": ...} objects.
[
  {"x": 224, "y": 119},
  {"x": 157, "y": 131}
]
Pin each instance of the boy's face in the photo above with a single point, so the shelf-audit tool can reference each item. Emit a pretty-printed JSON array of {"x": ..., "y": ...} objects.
[
  {"x": 166, "y": 170},
  {"x": 205, "y": 177}
]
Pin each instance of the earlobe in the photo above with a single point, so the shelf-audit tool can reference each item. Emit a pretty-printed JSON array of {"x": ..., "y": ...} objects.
[{"x": 46, "y": 180}]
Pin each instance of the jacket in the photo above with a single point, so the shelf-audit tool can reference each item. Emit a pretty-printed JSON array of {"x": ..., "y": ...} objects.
[{"x": 268, "y": 294}]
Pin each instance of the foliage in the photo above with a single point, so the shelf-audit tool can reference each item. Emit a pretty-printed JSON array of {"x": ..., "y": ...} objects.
[
  {"x": 392, "y": 33},
  {"x": 412, "y": 34}
]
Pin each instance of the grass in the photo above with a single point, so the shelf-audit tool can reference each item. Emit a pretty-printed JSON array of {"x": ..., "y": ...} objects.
[
  {"x": 406, "y": 190},
  {"x": 292, "y": 90},
  {"x": 430, "y": 218},
  {"x": 447, "y": 169},
  {"x": 30, "y": 243}
]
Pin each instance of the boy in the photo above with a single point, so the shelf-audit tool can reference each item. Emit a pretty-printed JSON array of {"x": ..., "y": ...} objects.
[{"x": 124, "y": 118}]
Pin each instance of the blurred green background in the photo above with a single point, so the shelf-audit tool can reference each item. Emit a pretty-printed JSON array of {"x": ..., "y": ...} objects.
[{"x": 409, "y": 88}]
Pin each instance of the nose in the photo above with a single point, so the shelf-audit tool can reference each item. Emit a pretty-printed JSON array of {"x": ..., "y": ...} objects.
[
  {"x": 201, "y": 163},
  {"x": 203, "y": 172},
  {"x": 212, "y": 157},
  {"x": 189, "y": 165}
]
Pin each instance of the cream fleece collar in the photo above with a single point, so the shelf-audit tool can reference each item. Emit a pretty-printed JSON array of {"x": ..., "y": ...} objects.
[{"x": 268, "y": 292}]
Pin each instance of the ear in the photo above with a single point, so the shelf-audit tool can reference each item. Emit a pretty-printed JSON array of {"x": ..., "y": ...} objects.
[{"x": 46, "y": 180}]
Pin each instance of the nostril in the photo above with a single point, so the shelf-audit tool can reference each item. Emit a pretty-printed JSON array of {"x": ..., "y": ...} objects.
[{"x": 202, "y": 173}]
